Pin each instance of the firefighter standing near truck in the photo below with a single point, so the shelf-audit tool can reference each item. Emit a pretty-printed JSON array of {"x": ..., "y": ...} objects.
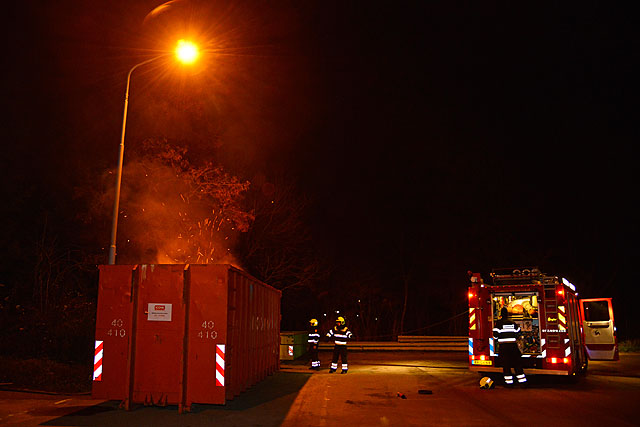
[
  {"x": 314, "y": 338},
  {"x": 340, "y": 335},
  {"x": 507, "y": 334}
]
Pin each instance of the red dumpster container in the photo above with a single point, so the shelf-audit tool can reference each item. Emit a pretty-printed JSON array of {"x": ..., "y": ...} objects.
[{"x": 183, "y": 334}]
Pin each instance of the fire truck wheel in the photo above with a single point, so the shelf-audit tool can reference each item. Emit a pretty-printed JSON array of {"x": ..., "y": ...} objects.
[{"x": 583, "y": 369}]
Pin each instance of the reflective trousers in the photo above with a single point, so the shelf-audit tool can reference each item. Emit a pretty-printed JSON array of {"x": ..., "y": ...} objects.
[
  {"x": 510, "y": 357},
  {"x": 313, "y": 355},
  {"x": 341, "y": 352}
]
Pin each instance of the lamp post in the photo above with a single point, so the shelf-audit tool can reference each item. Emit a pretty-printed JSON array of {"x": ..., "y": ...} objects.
[{"x": 187, "y": 53}]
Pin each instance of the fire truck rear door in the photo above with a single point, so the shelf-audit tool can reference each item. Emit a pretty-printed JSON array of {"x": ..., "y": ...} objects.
[{"x": 599, "y": 329}]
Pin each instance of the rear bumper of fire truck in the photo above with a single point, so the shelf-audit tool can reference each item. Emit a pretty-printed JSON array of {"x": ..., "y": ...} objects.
[{"x": 527, "y": 371}]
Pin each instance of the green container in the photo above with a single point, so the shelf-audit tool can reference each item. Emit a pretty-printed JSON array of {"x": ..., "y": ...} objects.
[{"x": 293, "y": 344}]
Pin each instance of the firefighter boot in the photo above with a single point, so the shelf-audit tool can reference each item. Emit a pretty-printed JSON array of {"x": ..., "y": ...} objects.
[
  {"x": 331, "y": 371},
  {"x": 522, "y": 380},
  {"x": 344, "y": 371}
]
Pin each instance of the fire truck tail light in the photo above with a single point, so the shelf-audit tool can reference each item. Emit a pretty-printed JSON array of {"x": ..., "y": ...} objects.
[
  {"x": 470, "y": 295},
  {"x": 561, "y": 292},
  {"x": 564, "y": 360},
  {"x": 482, "y": 357}
]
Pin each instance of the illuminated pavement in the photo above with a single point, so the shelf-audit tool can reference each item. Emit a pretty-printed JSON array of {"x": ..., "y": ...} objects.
[{"x": 368, "y": 396}]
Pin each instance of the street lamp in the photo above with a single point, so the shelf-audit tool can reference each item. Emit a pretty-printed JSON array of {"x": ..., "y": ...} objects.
[{"x": 187, "y": 53}]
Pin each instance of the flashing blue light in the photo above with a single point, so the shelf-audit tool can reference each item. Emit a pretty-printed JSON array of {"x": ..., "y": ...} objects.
[{"x": 569, "y": 284}]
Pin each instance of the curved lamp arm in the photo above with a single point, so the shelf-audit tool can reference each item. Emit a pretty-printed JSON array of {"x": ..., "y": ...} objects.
[{"x": 116, "y": 202}]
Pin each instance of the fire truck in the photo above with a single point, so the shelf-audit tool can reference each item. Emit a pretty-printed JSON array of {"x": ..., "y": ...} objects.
[{"x": 560, "y": 333}]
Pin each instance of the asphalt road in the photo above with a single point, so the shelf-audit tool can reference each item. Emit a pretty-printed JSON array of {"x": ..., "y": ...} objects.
[{"x": 368, "y": 396}]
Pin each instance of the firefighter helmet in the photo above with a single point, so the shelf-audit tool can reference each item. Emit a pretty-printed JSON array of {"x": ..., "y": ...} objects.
[
  {"x": 313, "y": 322},
  {"x": 340, "y": 320},
  {"x": 486, "y": 383}
]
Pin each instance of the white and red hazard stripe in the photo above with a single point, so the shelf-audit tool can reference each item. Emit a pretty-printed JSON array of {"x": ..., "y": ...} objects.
[
  {"x": 97, "y": 362},
  {"x": 220, "y": 365}
]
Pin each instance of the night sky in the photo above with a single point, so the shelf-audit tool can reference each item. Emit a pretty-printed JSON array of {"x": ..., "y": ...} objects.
[{"x": 429, "y": 137}]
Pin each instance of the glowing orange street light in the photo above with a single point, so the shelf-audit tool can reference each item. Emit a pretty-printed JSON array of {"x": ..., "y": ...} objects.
[{"x": 187, "y": 53}]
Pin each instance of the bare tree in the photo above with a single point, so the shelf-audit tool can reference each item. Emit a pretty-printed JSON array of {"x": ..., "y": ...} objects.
[
  {"x": 278, "y": 246},
  {"x": 56, "y": 272},
  {"x": 174, "y": 211},
  {"x": 405, "y": 266}
]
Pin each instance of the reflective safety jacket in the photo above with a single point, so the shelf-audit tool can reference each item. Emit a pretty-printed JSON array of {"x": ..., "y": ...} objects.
[
  {"x": 340, "y": 335},
  {"x": 314, "y": 335},
  {"x": 506, "y": 331}
]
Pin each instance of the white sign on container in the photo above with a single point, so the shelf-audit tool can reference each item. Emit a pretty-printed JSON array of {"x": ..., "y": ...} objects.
[{"x": 159, "y": 312}]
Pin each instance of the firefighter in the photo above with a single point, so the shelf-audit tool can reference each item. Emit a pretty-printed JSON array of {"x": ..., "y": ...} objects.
[
  {"x": 314, "y": 337},
  {"x": 507, "y": 334},
  {"x": 340, "y": 334}
]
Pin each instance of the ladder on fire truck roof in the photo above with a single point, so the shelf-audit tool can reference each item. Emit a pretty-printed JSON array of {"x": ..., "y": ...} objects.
[{"x": 516, "y": 276}]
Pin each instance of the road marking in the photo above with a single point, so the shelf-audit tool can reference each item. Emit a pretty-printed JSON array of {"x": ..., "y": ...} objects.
[
  {"x": 61, "y": 401},
  {"x": 323, "y": 408}
]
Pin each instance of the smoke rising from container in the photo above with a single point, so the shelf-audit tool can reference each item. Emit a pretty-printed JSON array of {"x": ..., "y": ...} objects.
[{"x": 174, "y": 212}]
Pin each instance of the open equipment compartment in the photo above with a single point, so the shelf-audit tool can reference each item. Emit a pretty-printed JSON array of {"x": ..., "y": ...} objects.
[{"x": 523, "y": 310}]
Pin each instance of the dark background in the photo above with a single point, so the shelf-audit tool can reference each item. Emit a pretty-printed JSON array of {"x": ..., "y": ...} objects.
[{"x": 428, "y": 139}]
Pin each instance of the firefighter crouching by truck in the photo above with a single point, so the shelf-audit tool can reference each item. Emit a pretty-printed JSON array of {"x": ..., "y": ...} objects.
[
  {"x": 507, "y": 334},
  {"x": 314, "y": 337},
  {"x": 340, "y": 335}
]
